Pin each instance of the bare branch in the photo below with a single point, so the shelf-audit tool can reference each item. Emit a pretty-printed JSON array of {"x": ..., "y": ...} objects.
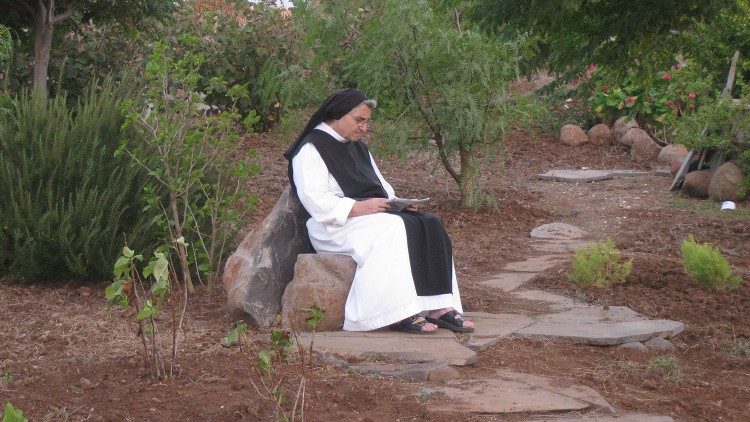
[{"x": 68, "y": 12}]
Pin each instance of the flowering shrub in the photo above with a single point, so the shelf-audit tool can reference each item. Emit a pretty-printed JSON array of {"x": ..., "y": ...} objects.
[{"x": 654, "y": 102}]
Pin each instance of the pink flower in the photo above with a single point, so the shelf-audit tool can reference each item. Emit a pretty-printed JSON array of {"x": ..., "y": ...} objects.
[
  {"x": 591, "y": 68},
  {"x": 630, "y": 100},
  {"x": 605, "y": 88},
  {"x": 670, "y": 104},
  {"x": 667, "y": 76},
  {"x": 692, "y": 95}
]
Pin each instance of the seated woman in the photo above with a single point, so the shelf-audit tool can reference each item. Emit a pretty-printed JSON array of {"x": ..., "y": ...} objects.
[{"x": 404, "y": 259}]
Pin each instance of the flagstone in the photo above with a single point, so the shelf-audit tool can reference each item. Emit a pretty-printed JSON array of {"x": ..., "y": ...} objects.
[
  {"x": 536, "y": 264},
  {"x": 575, "y": 176},
  {"x": 392, "y": 345},
  {"x": 561, "y": 231},
  {"x": 509, "y": 281},
  {"x": 498, "y": 396},
  {"x": 602, "y": 334},
  {"x": 491, "y": 328}
]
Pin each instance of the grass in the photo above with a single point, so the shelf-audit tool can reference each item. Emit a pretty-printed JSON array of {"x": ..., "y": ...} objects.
[
  {"x": 710, "y": 209},
  {"x": 739, "y": 348},
  {"x": 667, "y": 366}
]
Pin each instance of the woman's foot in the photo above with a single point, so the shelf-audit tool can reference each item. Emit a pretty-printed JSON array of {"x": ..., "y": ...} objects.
[
  {"x": 450, "y": 318},
  {"x": 414, "y": 325}
]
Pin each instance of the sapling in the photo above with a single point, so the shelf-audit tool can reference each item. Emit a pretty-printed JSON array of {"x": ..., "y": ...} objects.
[{"x": 147, "y": 290}]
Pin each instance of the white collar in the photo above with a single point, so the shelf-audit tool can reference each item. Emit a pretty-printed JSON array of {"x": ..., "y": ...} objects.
[{"x": 329, "y": 130}]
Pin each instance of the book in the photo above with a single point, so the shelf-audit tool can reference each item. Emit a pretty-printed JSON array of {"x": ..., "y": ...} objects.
[{"x": 399, "y": 204}]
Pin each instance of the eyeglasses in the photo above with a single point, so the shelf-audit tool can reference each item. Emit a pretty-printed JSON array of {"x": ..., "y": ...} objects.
[{"x": 361, "y": 121}]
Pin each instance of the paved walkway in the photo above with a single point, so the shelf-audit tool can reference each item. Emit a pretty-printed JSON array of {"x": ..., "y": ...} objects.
[{"x": 432, "y": 357}]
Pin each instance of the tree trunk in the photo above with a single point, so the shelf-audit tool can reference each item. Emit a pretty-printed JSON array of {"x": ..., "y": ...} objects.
[
  {"x": 42, "y": 47},
  {"x": 469, "y": 185}
]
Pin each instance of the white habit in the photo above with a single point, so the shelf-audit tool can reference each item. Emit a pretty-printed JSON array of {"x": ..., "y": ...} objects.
[{"x": 383, "y": 290}]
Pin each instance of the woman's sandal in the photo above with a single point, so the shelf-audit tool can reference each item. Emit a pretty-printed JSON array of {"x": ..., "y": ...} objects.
[
  {"x": 451, "y": 320},
  {"x": 412, "y": 325}
]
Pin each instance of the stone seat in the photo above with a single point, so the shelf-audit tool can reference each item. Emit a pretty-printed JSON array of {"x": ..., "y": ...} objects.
[{"x": 259, "y": 272}]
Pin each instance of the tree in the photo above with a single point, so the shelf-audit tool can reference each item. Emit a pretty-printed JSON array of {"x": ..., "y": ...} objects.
[
  {"x": 437, "y": 83},
  {"x": 571, "y": 34},
  {"x": 41, "y": 16}
]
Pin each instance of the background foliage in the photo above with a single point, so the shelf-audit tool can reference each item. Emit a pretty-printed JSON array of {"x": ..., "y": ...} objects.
[{"x": 67, "y": 201}]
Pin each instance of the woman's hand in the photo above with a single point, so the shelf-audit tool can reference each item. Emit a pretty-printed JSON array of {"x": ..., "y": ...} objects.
[
  {"x": 413, "y": 207},
  {"x": 369, "y": 206}
]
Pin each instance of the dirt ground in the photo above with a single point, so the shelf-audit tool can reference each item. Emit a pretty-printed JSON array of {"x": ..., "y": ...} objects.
[{"x": 65, "y": 356}]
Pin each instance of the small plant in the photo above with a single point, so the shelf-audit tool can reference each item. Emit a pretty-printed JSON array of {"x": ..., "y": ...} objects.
[
  {"x": 130, "y": 286},
  {"x": 235, "y": 334},
  {"x": 8, "y": 377},
  {"x": 13, "y": 415},
  {"x": 599, "y": 265},
  {"x": 706, "y": 265},
  {"x": 279, "y": 347},
  {"x": 667, "y": 366}
]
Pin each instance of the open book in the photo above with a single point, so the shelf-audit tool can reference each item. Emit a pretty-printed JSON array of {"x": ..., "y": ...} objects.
[{"x": 399, "y": 204}]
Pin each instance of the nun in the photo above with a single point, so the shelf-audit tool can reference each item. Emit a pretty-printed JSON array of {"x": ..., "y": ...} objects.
[{"x": 405, "y": 278}]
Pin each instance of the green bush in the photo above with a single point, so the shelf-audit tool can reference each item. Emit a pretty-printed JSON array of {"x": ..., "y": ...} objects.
[
  {"x": 67, "y": 202},
  {"x": 599, "y": 265},
  {"x": 706, "y": 265}
]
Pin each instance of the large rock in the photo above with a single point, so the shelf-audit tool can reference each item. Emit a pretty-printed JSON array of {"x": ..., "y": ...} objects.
[
  {"x": 644, "y": 149},
  {"x": 257, "y": 273},
  {"x": 321, "y": 280},
  {"x": 726, "y": 183},
  {"x": 670, "y": 152},
  {"x": 675, "y": 164},
  {"x": 572, "y": 135},
  {"x": 622, "y": 126},
  {"x": 600, "y": 134},
  {"x": 633, "y": 135},
  {"x": 696, "y": 183}
]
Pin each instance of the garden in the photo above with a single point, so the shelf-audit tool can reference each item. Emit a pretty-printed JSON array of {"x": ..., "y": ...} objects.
[{"x": 141, "y": 142}]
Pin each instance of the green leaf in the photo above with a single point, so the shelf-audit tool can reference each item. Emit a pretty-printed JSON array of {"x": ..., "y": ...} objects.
[
  {"x": 233, "y": 336},
  {"x": 149, "y": 310},
  {"x": 181, "y": 241},
  {"x": 13, "y": 415},
  {"x": 115, "y": 294},
  {"x": 264, "y": 361},
  {"x": 127, "y": 252},
  {"x": 315, "y": 314}
]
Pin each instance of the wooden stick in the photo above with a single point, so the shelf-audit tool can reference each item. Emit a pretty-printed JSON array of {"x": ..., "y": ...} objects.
[{"x": 727, "y": 91}]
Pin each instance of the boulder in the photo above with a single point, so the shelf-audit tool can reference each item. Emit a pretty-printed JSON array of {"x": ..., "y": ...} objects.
[
  {"x": 675, "y": 164},
  {"x": 257, "y": 273},
  {"x": 696, "y": 183},
  {"x": 321, "y": 280},
  {"x": 572, "y": 135},
  {"x": 622, "y": 126},
  {"x": 644, "y": 149},
  {"x": 633, "y": 135},
  {"x": 726, "y": 183},
  {"x": 670, "y": 152},
  {"x": 600, "y": 135}
]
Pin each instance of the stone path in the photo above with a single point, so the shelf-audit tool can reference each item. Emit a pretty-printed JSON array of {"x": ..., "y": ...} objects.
[
  {"x": 586, "y": 175},
  {"x": 432, "y": 357}
]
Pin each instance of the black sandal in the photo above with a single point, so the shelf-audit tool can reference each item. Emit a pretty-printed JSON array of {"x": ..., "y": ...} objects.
[
  {"x": 451, "y": 320},
  {"x": 412, "y": 325}
]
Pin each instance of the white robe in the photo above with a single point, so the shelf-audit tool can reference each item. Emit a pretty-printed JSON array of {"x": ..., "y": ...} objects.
[{"x": 383, "y": 290}]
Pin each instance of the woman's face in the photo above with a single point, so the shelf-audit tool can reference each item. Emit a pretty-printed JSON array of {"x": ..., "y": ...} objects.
[{"x": 354, "y": 124}]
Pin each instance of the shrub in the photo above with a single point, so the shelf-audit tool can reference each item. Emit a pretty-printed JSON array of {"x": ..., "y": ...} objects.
[
  {"x": 67, "y": 202},
  {"x": 599, "y": 265},
  {"x": 706, "y": 265}
]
